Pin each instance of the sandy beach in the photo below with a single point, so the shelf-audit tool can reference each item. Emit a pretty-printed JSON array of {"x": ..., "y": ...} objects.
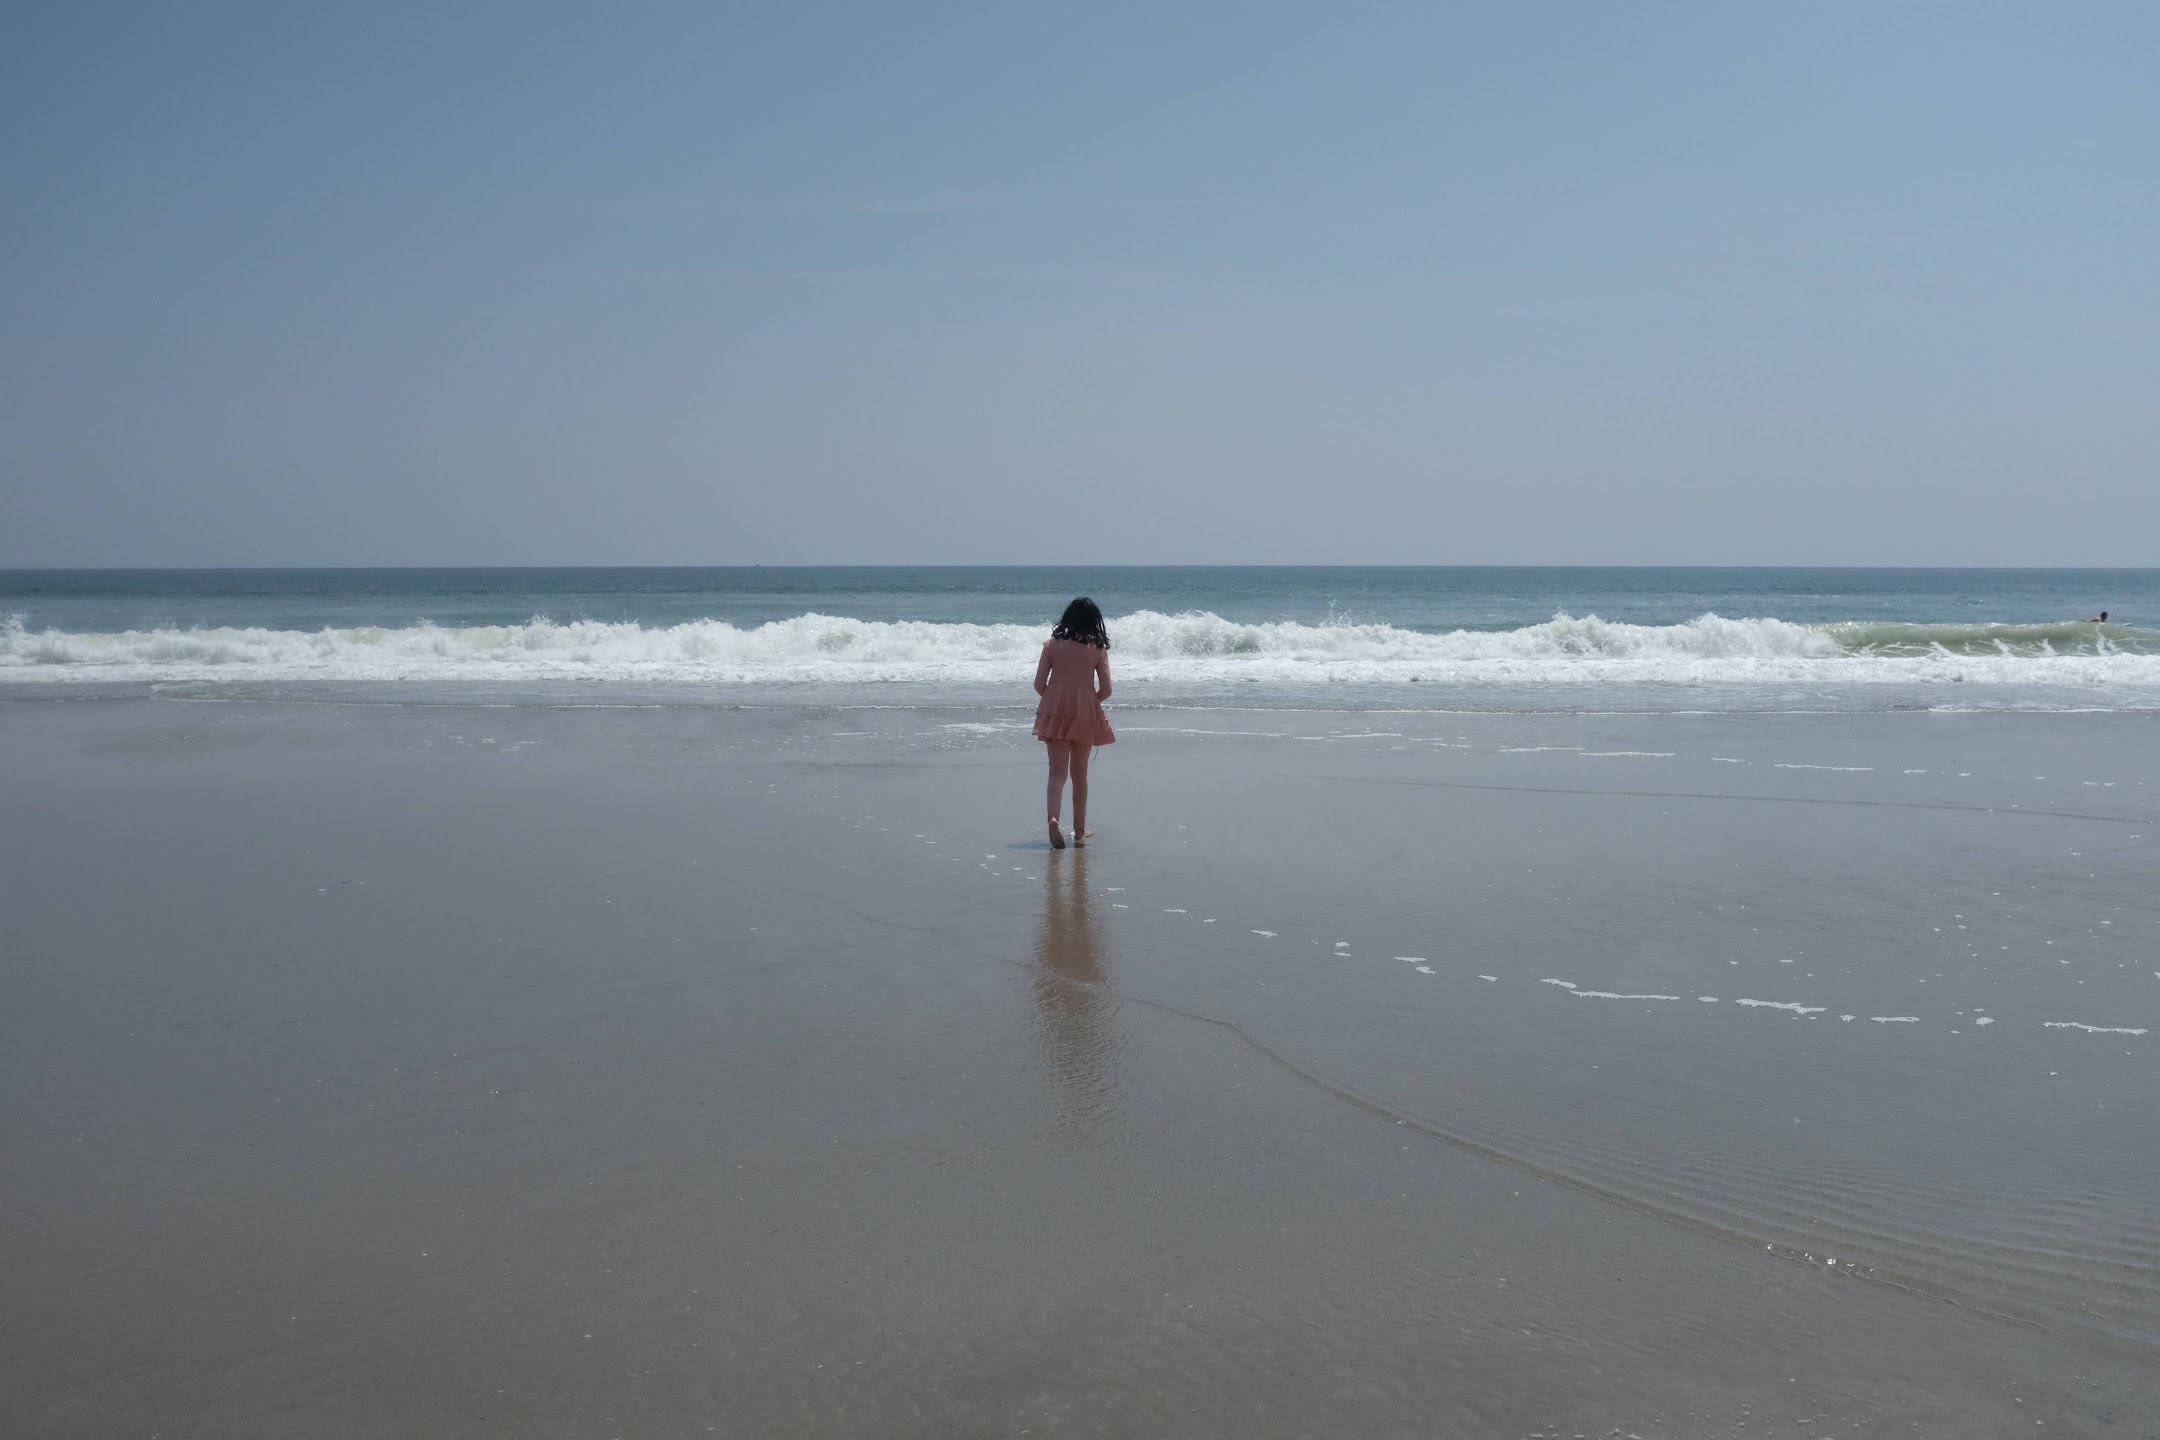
[{"x": 545, "y": 1071}]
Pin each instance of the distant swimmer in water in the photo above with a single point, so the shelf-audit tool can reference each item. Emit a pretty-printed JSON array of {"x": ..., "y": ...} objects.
[
  {"x": 2099, "y": 619},
  {"x": 1073, "y": 679}
]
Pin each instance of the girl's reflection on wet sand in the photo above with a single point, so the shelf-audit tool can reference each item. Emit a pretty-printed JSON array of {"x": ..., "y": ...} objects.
[{"x": 1075, "y": 1025}]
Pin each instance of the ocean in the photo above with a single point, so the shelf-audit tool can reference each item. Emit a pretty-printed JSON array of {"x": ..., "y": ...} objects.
[{"x": 1352, "y": 638}]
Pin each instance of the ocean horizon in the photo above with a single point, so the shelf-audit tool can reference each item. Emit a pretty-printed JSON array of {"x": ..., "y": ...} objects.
[{"x": 1356, "y": 637}]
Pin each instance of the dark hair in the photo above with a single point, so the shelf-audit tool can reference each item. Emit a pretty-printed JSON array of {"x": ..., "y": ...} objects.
[{"x": 1082, "y": 621}]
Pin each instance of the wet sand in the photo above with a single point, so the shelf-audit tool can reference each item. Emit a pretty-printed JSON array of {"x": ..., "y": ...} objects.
[{"x": 536, "y": 1072}]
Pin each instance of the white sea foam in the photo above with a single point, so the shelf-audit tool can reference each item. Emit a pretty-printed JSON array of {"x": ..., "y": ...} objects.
[
  {"x": 1150, "y": 645},
  {"x": 2090, "y": 1029},
  {"x": 1581, "y": 994},
  {"x": 1796, "y": 1009}
]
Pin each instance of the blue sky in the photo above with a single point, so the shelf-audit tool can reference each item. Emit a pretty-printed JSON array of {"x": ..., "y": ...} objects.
[{"x": 473, "y": 284}]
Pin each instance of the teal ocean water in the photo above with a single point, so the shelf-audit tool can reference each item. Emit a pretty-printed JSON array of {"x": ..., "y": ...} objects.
[{"x": 1439, "y": 638}]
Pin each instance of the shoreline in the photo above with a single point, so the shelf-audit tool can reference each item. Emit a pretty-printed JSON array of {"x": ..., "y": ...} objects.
[{"x": 384, "y": 1067}]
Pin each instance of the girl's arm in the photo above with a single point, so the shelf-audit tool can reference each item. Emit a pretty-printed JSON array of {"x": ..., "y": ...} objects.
[
  {"x": 1042, "y": 671},
  {"x": 1102, "y": 675}
]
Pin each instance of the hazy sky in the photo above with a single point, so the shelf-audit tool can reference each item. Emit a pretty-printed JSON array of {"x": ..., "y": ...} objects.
[{"x": 1510, "y": 283}]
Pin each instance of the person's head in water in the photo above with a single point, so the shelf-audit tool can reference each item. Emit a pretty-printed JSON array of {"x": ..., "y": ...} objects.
[{"x": 1082, "y": 621}]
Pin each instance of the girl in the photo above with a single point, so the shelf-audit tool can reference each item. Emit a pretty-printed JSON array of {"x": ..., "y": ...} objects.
[{"x": 1073, "y": 678}]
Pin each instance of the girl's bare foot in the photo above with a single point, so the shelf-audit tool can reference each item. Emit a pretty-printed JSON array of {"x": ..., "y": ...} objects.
[
  {"x": 1057, "y": 836},
  {"x": 1081, "y": 837}
]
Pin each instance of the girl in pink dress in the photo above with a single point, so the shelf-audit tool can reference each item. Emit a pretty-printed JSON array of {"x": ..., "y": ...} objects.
[{"x": 1073, "y": 678}]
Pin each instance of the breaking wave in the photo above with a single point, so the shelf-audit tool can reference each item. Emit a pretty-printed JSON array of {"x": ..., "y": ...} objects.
[{"x": 1195, "y": 646}]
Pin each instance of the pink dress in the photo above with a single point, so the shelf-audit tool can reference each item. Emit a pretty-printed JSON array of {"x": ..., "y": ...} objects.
[{"x": 1069, "y": 709}]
